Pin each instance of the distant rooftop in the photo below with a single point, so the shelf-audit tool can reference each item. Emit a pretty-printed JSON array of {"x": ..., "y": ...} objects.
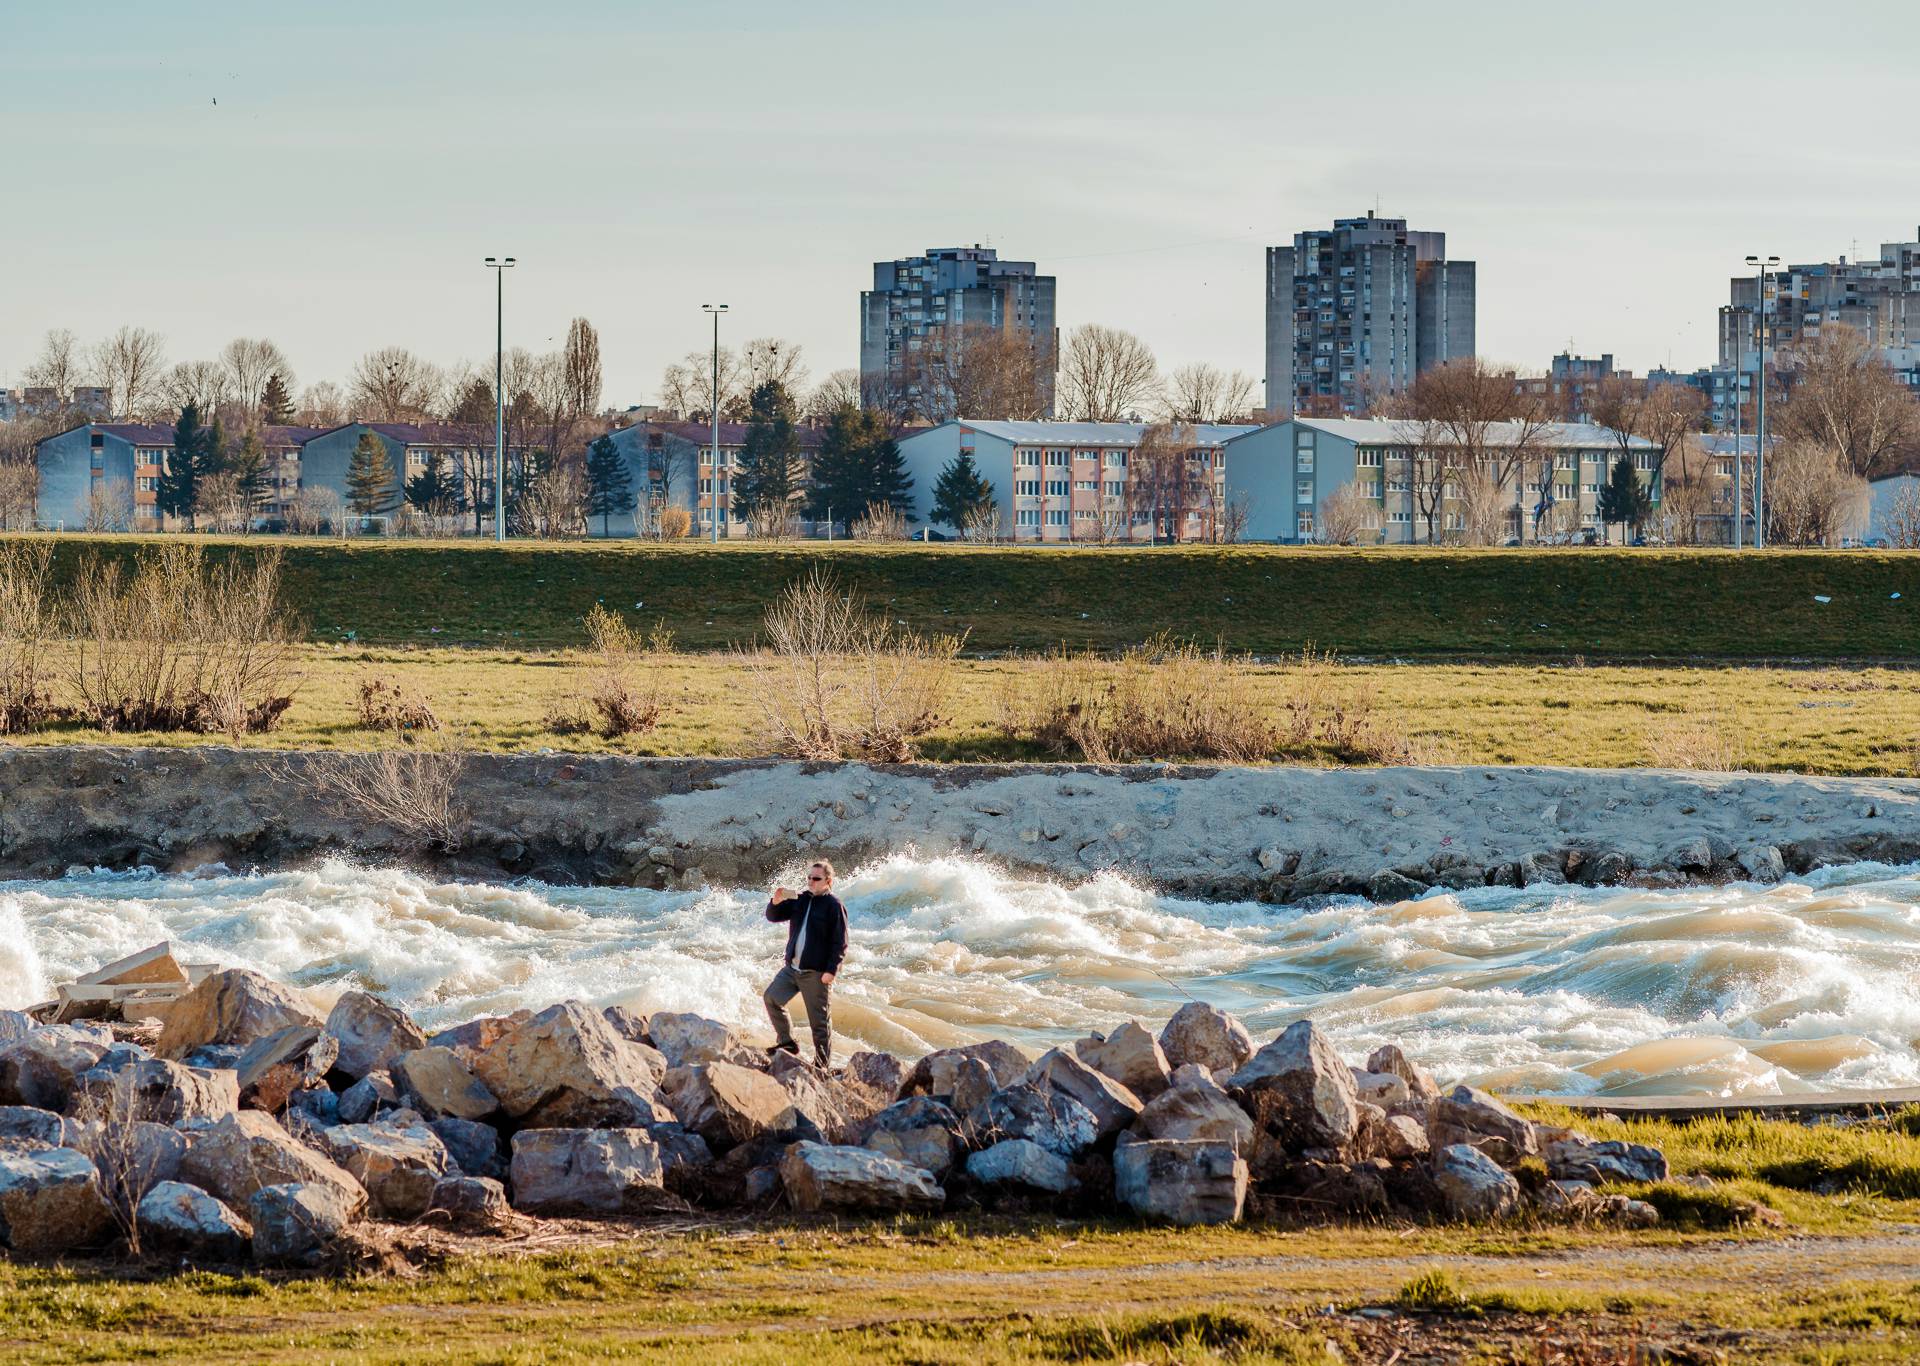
[{"x": 1100, "y": 433}]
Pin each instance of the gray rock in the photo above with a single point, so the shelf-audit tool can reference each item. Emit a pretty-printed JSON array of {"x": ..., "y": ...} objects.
[
  {"x": 1383, "y": 1089},
  {"x": 1017, "y": 1162},
  {"x": 398, "y": 1166},
  {"x": 727, "y": 1104},
  {"x": 234, "y": 1006},
  {"x": 1579, "y": 1158},
  {"x": 155, "y": 1090},
  {"x": 1604, "y": 868},
  {"x": 1539, "y": 867},
  {"x": 1388, "y": 886},
  {"x": 685, "y": 1039},
  {"x": 586, "y": 1171},
  {"x": 1691, "y": 856},
  {"x": 1196, "y": 1109},
  {"x": 473, "y": 1147},
  {"x": 1204, "y": 1034},
  {"x": 1401, "y": 1137},
  {"x": 1131, "y": 1056},
  {"x": 471, "y": 1200},
  {"x": 918, "y": 1131},
  {"x": 1627, "y": 1212},
  {"x": 438, "y": 1083},
  {"x": 1057, "y": 1122},
  {"x": 288, "y": 1060},
  {"x": 215, "y": 1057},
  {"x": 15, "y": 1024},
  {"x": 1009, "y": 1064},
  {"x": 478, "y": 1035},
  {"x": 364, "y": 1099},
  {"x": 313, "y": 1109},
  {"x": 244, "y": 1151},
  {"x": 370, "y": 1033},
  {"x": 818, "y": 1176},
  {"x": 626, "y": 1023},
  {"x": 1762, "y": 863},
  {"x": 1468, "y": 1116},
  {"x": 972, "y": 1082},
  {"x": 1112, "y": 1105},
  {"x": 299, "y": 1223},
  {"x": 1473, "y": 1184},
  {"x": 26, "y": 1122},
  {"x": 1388, "y": 1059},
  {"x": 51, "y": 1202},
  {"x": 1180, "y": 1181},
  {"x": 1299, "y": 1093},
  {"x": 132, "y": 1156},
  {"x": 878, "y": 1072},
  {"x": 176, "y": 1217},
  {"x": 42, "y": 1068},
  {"x": 565, "y": 1068}
]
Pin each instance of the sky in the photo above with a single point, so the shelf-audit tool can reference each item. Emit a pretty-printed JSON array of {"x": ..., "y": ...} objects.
[{"x": 331, "y": 176}]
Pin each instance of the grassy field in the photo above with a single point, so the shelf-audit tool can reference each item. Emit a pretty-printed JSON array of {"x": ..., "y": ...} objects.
[
  {"x": 1836, "y": 1279},
  {"x": 1498, "y": 604},
  {"x": 1819, "y": 720}
]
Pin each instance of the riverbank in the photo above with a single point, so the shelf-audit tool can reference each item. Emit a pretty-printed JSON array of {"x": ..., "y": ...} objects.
[{"x": 1273, "y": 834}]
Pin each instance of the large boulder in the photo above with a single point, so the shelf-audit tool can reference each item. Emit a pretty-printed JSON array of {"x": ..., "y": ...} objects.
[
  {"x": 1473, "y": 1184},
  {"x": 27, "y": 1124},
  {"x": 1399, "y": 1138},
  {"x": 370, "y": 1032},
  {"x": 1469, "y": 1116},
  {"x": 299, "y": 1223},
  {"x": 1112, "y": 1105},
  {"x": 1131, "y": 1056},
  {"x": 51, "y": 1201},
  {"x": 881, "y": 1073},
  {"x": 478, "y": 1035},
  {"x": 1018, "y": 1164},
  {"x": 685, "y": 1039},
  {"x": 934, "y": 1074},
  {"x": 296, "y": 1058},
  {"x": 132, "y": 1156},
  {"x": 473, "y": 1147},
  {"x": 367, "y": 1097},
  {"x": 628, "y": 1024},
  {"x": 1206, "y": 1035},
  {"x": 176, "y": 1217},
  {"x": 1055, "y": 1121},
  {"x": 587, "y": 1171},
  {"x": 1195, "y": 1109},
  {"x": 1390, "y": 1061},
  {"x": 1579, "y": 1158},
  {"x": 249, "y": 1149},
  {"x": 438, "y": 1083},
  {"x": 565, "y": 1068},
  {"x": 1299, "y": 1093},
  {"x": 156, "y": 1090},
  {"x": 918, "y": 1131},
  {"x": 839, "y": 1109},
  {"x": 1180, "y": 1181},
  {"x": 399, "y": 1165},
  {"x": 15, "y": 1024},
  {"x": 473, "y": 1201},
  {"x": 819, "y": 1176},
  {"x": 42, "y": 1068},
  {"x": 728, "y": 1104},
  {"x": 231, "y": 1007}
]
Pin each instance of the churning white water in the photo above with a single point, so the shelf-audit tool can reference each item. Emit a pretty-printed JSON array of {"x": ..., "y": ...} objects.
[{"x": 1813, "y": 984}]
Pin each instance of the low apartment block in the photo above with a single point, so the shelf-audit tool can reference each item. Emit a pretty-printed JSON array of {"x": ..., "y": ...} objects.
[
  {"x": 672, "y": 465},
  {"x": 102, "y": 476},
  {"x": 1081, "y": 481},
  {"x": 1412, "y": 489}
]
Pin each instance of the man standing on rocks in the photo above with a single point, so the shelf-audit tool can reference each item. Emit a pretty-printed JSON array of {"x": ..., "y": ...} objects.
[{"x": 816, "y": 942}]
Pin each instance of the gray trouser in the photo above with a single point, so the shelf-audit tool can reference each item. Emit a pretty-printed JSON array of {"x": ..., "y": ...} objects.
[{"x": 788, "y": 983}]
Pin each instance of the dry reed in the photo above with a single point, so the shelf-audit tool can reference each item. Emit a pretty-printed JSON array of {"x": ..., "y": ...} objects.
[
  {"x": 411, "y": 790},
  {"x": 26, "y": 623},
  {"x": 1707, "y": 743}
]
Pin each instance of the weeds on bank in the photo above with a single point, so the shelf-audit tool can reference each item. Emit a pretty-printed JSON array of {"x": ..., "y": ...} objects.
[
  {"x": 388, "y": 705},
  {"x": 1710, "y": 743},
  {"x": 26, "y": 623},
  {"x": 625, "y": 691},
  {"x": 411, "y": 789}
]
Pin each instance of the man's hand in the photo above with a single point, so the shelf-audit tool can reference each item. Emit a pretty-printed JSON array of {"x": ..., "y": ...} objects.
[
  {"x": 781, "y": 894},
  {"x": 826, "y": 979}
]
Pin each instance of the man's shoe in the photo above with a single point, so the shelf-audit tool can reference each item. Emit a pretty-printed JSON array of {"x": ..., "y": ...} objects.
[{"x": 789, "y": 1046}]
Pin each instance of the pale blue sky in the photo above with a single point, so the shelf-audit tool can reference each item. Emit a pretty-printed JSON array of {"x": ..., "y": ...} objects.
[{"x": 1607, "y": 166}]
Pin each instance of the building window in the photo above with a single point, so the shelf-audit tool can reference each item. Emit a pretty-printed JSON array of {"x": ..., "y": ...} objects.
[
  {"x": 1117, "y": 459},
  {"x": 1027, "y": 488},
  {"x": 1057, "y": 457},
  {"x": 1304, "y": 524},
  {"x": 1115, "y": 488},
  {"x": 1086, "y": 486},
  {"x": 1305, "y": 461},
  {"x": 1369, "y": 458},
  {"x": 1056, "y": 488},
  {"x": 1303, "y": 490},
  {"x": 1057, "y": 518}
]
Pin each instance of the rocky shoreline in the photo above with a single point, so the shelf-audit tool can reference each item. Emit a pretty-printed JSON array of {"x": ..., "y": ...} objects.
[
  {"x": 235, "y": 1123},
  {"x": 1274, "y": 834}
]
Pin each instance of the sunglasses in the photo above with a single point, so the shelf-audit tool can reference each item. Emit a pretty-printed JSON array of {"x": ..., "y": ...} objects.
[{"x": 815, "y": 877}]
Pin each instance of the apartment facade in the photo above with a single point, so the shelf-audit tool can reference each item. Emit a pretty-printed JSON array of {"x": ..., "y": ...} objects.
[
  {"x": 1356, "y": 311},
  {"x": 102, "y": 476},
  {"x": 672, "y": 464},
  {"x": 1079, "y": 482},
  {"x": 1880, "y": 299},
  {"x": 917, "y": 301},
  {"x": 1284, "y": 474}
]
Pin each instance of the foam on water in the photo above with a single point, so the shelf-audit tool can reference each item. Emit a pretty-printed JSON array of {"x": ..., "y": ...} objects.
[{"x": 1737, "y": 989}]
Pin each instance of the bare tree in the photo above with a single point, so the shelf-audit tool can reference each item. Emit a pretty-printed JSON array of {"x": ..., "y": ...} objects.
[
  {"x": 1903, "y": 517},
  {"x": 580, "y": 366},
  {"x": 1348, "y": 517},
  {"x": 841, "y": 389},
  {"x": 1203, "y": 393},
  {"x": 687, "y": 387},
  {"x": 204, "y": 383},
  {"x": 1106, "y": 375},
  {"x": 769, "y": 360},
  {"x": 982, "y": 371},
  {"x": 393, "y": 385},
  {"x": 1690, "y": 492},
  {"x": 1846, "y": 398},
  {"x": 58, "y": 367},
  {"x": 19, "y": 493},
  {"x": 249, "y": 362},
  {"x": 130, "y": 366},
  {"x": 321, "y": 405},
  {"x": 1813, "y": 495},
  {"x": 1162, "y": 482},
  {"x": 1467, "y": 417}
]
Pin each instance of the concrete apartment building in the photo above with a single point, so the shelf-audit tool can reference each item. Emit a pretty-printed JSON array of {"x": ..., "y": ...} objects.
[
  {"x": 1070, "y": 482},
  {"x": 915, "y": 301},
  {"x": 1879, "y": 299},
  {"x": 1355, "y": 312},
  {"x": 672, "y": 466},
  {"x": 102, "y": 476},
  {"x": 1284, "y": 474}
]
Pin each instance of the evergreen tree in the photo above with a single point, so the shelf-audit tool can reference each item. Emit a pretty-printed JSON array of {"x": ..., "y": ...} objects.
[
  {"x": 1623, "y": 499},
  {"x": 179, "y": 491},
  {"x": 215, "y": 456},
  {"x": 858, "y": 465},
  {"x": 250, "y": 474},
  {"x": 370, "y": 478},
  {"x": 434, "y": 492},
  {"x": 609, "y": 483},
  {"x": 475, "y": 404},
  {"x": 770, "y": 479},
  {"x": 276, "y": 405},
  {"x": 960, "y": 492}
]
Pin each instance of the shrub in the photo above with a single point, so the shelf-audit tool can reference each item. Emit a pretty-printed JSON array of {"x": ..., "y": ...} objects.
[
  {"x": 410, "y": 790},
  {"x": 386, "y": 705},
  {"x": 626, "y": 685},
  {"x": 675, "y": 523},
  {"x": 26, "y": 621},
  {"x": 880, "y": 522}
]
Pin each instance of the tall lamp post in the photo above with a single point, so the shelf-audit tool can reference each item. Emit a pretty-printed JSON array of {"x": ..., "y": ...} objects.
[
  {"x": 500, "y": 265},
  {"x": 713, "y": 415},
  {"x": 1763, "y": 264}
]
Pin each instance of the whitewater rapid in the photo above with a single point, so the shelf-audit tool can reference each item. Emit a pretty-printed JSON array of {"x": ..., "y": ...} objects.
[{"x": 1741, "y": 989}]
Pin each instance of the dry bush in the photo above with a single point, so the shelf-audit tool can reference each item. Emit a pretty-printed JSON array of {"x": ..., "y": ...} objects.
[
  {"x": 626, "y": 686},
  {"x": 386, "y": 705},
  {"x": 835, "y": 682},
  {"x": 675, "y": 523},
  {"x": 881, "y": 522},
  {"x": 411, "y": 790},
  {"x": 182, "y": 644},
  {"x": 26, "y": 622},
  {"x": 1710, "y": 744},
  {"x": 129, "y": 1167}
]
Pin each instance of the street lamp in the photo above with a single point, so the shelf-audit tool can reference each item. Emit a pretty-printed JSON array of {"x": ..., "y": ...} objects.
[
  {"x": 501, "y": 265},
  {"x": 713, "y": 415},
  {"x": 1763, "y": 264}
]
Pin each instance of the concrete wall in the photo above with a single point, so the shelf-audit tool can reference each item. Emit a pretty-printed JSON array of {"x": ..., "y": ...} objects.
[
  {"x": 1268, "y": 467},
  {"x": 324, "y": 460},
  {"x": 66, "y": 475}
]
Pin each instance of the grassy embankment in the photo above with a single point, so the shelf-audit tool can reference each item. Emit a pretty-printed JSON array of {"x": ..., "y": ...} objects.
[{"x": 1836, "y": 1284}]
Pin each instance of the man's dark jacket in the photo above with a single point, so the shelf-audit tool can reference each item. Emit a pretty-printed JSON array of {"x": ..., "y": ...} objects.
[{"x": 826, "y": 922}]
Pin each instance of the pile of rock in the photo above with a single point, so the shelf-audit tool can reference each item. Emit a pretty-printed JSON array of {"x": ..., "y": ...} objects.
[{"x": 249, "y": 1125}]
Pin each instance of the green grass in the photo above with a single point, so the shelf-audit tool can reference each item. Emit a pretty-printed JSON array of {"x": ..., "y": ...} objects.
[{"x": 1495, "y": 604}]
